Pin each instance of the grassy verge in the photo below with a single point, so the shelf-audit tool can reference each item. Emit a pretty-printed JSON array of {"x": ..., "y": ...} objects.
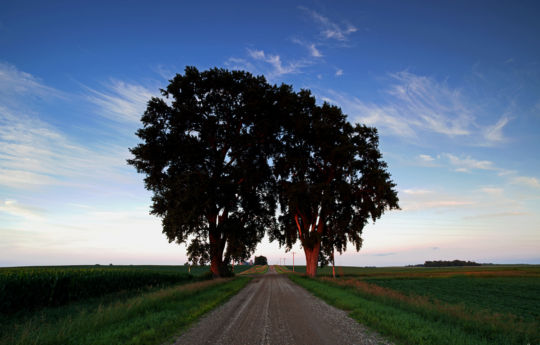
[
  {"x": 149, "y": 318},
  {"x": 282, "y": 269},
  {"x": 412, "y": 319},
  {"x": 257, "y": 269}
]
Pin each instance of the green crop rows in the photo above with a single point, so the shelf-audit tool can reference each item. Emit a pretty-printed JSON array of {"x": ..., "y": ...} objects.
[
  {"x": 458, "y": 305},
  {"x": 30, "y": 288}
]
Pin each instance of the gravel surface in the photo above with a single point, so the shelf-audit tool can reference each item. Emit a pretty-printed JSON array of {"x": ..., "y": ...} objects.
[{"x": 273, "y": 310}]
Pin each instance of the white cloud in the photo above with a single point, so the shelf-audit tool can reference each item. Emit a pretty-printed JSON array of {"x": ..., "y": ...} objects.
[
  {"x": 492, "y": 191},
  {"x": 526, "y": 181},
  {"x": 121, "y": 101},
  {"x": 417, "y": 104},
  {"x": 28, "y": 212},
  {"x": 239, "y": 64},
  {"x": 329, "y": 29},
  {"x": 497, "y": 215},
  {"x": 314, "y": 51},
  {"x": 387, "y": 117},
  {"x": 417, "y": 205},
  {"x": 339, "y": 72},
  {"x": 311, "y": 47},
  {"x": 16, "y": 84},
  {"x": 278, "y": 66},
  {"x": 494, "y": 134},
  {"x": 34, "y": 153},
  {"x": 417, "y": 191},
  {"x": 421, "y": 199},
  {"x": 466, "y": 164},
  {"x": 426, "y": 158},
  {"x": 435, "y": 106}
]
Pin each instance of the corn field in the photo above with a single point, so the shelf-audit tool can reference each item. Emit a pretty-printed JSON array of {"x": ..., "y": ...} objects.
[{"x": 24, "y": 289}]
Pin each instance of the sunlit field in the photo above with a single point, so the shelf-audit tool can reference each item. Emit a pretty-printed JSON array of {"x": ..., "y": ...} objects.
[{"x": 457, "y": 305}]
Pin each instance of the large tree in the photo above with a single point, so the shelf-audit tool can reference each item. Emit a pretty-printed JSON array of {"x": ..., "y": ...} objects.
[
  {"x": 331, "y": 180},
  {"x": 204, "y": 151}
]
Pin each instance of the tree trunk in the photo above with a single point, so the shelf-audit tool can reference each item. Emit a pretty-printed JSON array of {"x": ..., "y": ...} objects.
[
  {"x": 312, "y": 258},
  {"x": 216, "y": 256}
]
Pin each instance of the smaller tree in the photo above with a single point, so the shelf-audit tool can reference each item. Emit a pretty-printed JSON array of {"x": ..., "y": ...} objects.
[
  {"x": 261, "y": 260},
  {"x": 331, "y": 180}
]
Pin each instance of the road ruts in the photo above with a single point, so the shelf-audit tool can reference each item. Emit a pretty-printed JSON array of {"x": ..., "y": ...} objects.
[{"x": 271, "y": 310}]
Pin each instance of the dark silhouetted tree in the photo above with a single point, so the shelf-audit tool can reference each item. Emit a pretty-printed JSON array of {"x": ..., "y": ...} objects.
[
  {"x": 261, "y": 260},
  {"x": 204, "y": 151},
  {"x": 331, "y": 180}
]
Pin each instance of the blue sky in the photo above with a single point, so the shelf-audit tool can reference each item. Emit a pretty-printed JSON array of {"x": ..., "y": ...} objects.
[{"x": 453, "y": 87}]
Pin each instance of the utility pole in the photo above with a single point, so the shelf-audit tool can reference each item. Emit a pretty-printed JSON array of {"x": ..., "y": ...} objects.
[{"x": 293, "y": 261}]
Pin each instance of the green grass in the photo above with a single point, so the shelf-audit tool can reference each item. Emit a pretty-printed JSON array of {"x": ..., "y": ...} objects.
[
  {"x": 256, "y": 269},
  {"x": 493, "y": 305},
  {"x": 151, "y": 317}
]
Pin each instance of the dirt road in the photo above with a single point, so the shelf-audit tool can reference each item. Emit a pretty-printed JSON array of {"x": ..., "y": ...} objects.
[{"x": 273, "y": 310}]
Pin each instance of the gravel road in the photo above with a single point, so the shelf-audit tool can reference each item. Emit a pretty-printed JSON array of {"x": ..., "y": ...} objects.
[{"x": 273, "y": 310}]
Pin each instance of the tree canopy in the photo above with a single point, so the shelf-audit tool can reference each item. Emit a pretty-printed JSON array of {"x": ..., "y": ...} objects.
[
  {"x": 205, "y": 155},
  {"x": 223, "y": 147},
  {"x": 261, "y": 260},
  {"x": 331, "y": 181}
]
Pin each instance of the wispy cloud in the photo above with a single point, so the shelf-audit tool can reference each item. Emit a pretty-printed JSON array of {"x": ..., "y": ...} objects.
[
  {"x": 240, "y": 64},
  {"x": 417, "y": 205},
  {"x": 417, "y": 191},
  {"x": 314, "y": 51},
  {"x": 466, "y": 164},
  {"x": 416, "y": 104},
  {"x": 386, "y": 116},
  {"x": 121, "y": 101},
  {"x": 526, "y": 181},
  {"x": 496, "y": 215},
  {"x": 330, "y": 29},
  {"x": 426, "y": 158},
  {"x": 494, "y": 134},
  {"x": 34, "y": 153},
  {"x": 339, "y": 72},
  {"x": 492, "y": 191},
  {"x": 310, "y": 46},
  {"x": 384, "y": 254},
  {"x": 278, "y": 67},
  {"x": 15, "y": 84},
  {"x": 12, "y": 207}
]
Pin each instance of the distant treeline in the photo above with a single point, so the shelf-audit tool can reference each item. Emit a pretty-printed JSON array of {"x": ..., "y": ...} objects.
[{"x": 442, "y": 263}]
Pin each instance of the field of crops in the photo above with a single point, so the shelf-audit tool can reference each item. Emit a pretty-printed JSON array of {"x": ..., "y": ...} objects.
[
  {"x": 458, "y": 305},
  {"x": 29, "y": 288},
  {"x": 154, "y": 316}
]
